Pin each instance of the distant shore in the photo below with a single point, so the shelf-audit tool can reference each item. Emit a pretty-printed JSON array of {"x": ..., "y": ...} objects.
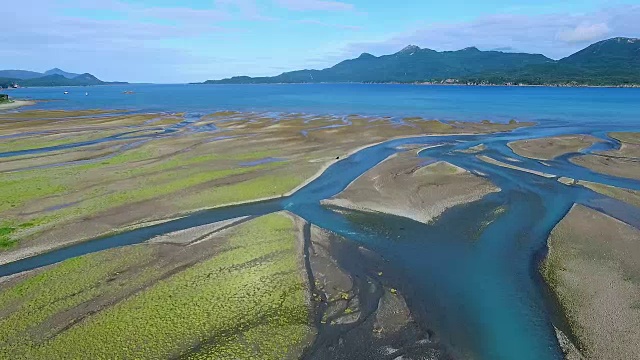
[{"x": 632, "y": 86}]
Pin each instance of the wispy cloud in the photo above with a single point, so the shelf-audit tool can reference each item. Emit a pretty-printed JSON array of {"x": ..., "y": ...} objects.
[
  {"x": 315, "y": 5},
  {"x": 555, "y": 35},
  {"x": 584, "y": 33},
  {"x": 322, "y": 23},
  {"x": 111, "y": 49}
]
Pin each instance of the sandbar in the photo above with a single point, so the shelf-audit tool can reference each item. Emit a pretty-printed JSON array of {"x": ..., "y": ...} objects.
[
  {"x": 14, "y": 104},
  {"x": 549, "y": 148},
  {"x": 593, "y": 268},
  {"x": 402, "y": 185}
]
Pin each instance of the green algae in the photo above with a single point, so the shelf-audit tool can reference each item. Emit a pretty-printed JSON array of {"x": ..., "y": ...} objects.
[
  {"x": 5, "y": 236},
  {"x": 18, "y": 189},
  {"x": 246, "y": 302},
  {"x": 31, "y": 303},
  {"x": 130, "y": 184},
  {"x": 266, "y": 186},
  {"x": 37, "y": 142}
]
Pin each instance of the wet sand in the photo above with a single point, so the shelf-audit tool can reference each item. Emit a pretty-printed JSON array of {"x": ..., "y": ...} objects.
[
  {"x": 593, "y": 267},
  {"x": 551, "y": 147},
  {"x": 16, "y": 104},
  {"x": 164, "y": 166},
  {"x": 627, "y": 195},
  {"x": 404, "y": 185},
  {"x": 493, "y": 161},
  {"x": 183, "y": 285},
  {"x": 361, "y": 309},
  {"x": 624, "y": 162}
]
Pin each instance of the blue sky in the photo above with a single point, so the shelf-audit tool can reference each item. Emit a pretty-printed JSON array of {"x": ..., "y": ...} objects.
[{"x": 173, "y": 41}]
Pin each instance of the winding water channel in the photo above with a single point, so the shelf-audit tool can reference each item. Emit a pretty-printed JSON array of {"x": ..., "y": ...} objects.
[{"x": 475, "y": 269}]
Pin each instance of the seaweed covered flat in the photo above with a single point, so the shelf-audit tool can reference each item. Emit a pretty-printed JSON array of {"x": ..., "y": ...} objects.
[{"x": 261, "y": 235}]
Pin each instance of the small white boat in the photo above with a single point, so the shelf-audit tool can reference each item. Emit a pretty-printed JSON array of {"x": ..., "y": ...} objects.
[
  {"x": 66, "y": 92},
  {"x": 86, "y": 94}
]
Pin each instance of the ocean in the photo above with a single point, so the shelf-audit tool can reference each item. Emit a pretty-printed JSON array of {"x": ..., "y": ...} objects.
[{"x": 561, "y": 106}]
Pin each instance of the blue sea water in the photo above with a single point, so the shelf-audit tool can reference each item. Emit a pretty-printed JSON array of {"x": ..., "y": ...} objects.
[
  {"x": 482, "y": 289},
  {"x": 559, "y": 105}
]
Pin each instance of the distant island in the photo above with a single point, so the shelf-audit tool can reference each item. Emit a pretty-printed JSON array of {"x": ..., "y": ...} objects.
[
  {"x": 613, "y": 62},
  {"x": 53, "y": 77}
]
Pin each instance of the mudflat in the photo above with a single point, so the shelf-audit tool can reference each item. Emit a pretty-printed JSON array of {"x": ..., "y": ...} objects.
[
  {"x": 409, "y": 186},
  {"x": 626, "y": 195},
  {"x": 70, "y": 176},
  {"x": 593, "y": 267},
  {"x": 624, "y": 162},
  {"x": 239, "y": 293},
  {"x": 549, "y": 148}
]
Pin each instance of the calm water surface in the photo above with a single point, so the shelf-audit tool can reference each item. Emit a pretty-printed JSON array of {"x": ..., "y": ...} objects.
[{"x": 576, "y": 105}]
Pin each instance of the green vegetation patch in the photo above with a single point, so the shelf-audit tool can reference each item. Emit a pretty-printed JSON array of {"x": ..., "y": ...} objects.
[
  {"x": 246, "y": 302},
  {"x": 5, "y": 236},
  {"x": 28, "y": 305},
  {"x": 123, "y": 179},
  {"x": 19, "y": 188},
  {"x": 36, "y": 142},
  {"x": 272, "y": 185}
]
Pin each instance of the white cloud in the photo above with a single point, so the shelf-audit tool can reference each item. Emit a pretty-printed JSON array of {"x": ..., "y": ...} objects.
[
  {"x": 315, "y": 5},
  {"x": 554, "y": 35},
  {"x": 584, "y": 33}
]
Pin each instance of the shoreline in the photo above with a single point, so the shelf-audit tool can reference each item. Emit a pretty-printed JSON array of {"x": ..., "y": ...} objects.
[
  {"x": 634, "y": 86},
  {"x": 14, "y": 104}
]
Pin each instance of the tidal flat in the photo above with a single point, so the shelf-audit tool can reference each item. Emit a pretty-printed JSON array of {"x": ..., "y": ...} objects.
[
  {"x": 417, "y": 188},
  {"x": 239, "y": 294},
  {"x": 622, "y": 162},
  {"x": 593, "y": 267},
  {"x": 550, "y": 148},
  {"x": 72, "y": 176},
  {"x": 282, "y": 235}
]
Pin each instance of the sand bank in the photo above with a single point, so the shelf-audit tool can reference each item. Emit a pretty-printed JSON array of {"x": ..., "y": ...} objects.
[
  {"x": 549, "y": 148},
  {"x": 623, "y": 162},
  {"x": 16, "y": 104},
  {"x": 593, "y": 267},
  {"x": 402, "y": 186},
  {"x": 493, "y": 161}
]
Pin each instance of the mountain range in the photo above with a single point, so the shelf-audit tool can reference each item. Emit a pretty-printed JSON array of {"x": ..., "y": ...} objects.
[
  {"x": 53, "y": 77},
  {"x": 612, "y": 62}
]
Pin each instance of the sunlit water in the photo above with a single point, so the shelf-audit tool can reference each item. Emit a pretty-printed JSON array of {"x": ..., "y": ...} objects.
[{"x": 479, "y": 283}]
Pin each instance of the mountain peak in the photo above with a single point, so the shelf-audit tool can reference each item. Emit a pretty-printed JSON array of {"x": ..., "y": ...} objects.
[
  {"x": 366, "y": 56},
  {"x": 410, "y": 49},
  {"x": 57, "y": 71},
  {"x": 621, "y": 39},
  {"x": 613, "y": 62}
]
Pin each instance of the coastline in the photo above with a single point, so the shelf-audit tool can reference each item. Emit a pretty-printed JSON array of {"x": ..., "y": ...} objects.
[
  {"x": 14, "y": 104},
  {"x": 630, "y": 86}
]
